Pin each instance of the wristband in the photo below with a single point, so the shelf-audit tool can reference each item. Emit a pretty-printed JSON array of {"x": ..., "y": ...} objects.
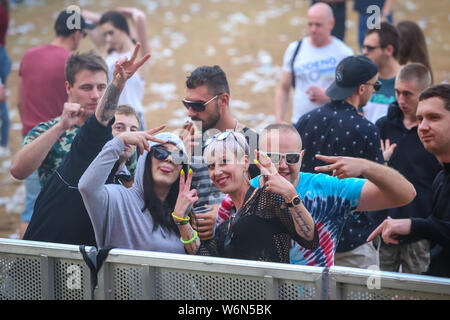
[
  {"x": 180, "y": 223},
  {"x": 191, "y": 240},
  {"x": 182, "y": 219}
]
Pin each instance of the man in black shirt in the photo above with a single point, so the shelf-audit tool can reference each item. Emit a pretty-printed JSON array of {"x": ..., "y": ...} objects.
[
  {"x": 336, "y": 129},
  {"x": 433, "y": 114},
  {"x": 408, "y": 156}
]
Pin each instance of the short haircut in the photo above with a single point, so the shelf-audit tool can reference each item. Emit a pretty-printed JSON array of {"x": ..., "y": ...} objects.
[
  {"x": 388, "y": 35},
  {"x": 282, "y": 127},
  {"x": 117, "y": 19},
  {"x": 128, "y": 110},
  {"x": 84, "y": 61},
  {"x": 211, "y": 76},
  {"x": 441, "y": 91},
  {"x": 416, "y": 72},
  {"x": 61, "y": 25}
]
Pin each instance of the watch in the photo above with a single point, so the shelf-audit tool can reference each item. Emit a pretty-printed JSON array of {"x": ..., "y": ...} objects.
[{"x": 294, "y": 202}]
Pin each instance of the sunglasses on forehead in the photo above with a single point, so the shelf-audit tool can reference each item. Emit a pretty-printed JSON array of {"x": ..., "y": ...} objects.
[
  {"x": 198, "y": 106},
  {"x": 222, "y": 136},
  {"x": 162, "y": 154},
  {"x": 291, "y": 158}
]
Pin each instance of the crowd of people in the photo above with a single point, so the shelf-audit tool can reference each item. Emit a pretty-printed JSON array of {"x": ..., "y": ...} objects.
[{"x": 359, "y": 177}]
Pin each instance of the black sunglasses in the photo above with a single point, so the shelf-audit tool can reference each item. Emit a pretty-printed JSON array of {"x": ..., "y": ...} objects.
[
  {"x": 198, "y": 106},
  {"x": 376, "y": 85},
  {"x": 371, "y": 48},
  {"x": 161, "y": 154},
  {"x": 291, "y": 157}
]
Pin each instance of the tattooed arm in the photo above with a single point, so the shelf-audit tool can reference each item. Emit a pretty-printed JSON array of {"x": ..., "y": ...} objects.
[
  {"x": 123, "y": 70},
  {"x": 275, "y": 183}
]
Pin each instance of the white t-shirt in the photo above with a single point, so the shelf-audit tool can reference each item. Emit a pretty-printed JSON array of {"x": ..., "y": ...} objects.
[
  {"x": 133, "y": 92},
  {"x": 313, "y": 67}
]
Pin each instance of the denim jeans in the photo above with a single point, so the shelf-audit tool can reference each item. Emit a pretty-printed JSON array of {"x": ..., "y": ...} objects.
[
  {"x": 32, "y": 189},
  {"x": 5, "y": 69}
]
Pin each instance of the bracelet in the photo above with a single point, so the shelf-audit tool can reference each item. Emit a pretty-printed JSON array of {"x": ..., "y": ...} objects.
[
  {"x": 181, "y": 223},
  {"x": 182, "y": 219},
  {"x": 191, "y": 240}
]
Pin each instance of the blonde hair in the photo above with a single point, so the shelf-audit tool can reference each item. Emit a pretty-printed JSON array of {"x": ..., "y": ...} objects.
[{"x": 234, "y": 142}]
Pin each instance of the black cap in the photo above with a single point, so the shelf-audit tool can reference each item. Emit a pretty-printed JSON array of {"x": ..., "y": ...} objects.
[
  {"x": 69, "y": 21},
  {"x": 351, "y": 72}
]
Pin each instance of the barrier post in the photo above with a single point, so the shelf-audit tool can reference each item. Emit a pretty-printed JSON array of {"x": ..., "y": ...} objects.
[{"x": 47, "y": 277}]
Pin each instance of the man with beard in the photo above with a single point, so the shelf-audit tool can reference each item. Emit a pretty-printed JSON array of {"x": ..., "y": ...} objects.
[{"x": 207, "y": 102}]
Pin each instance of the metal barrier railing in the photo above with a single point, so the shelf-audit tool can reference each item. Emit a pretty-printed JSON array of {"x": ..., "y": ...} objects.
[
  {"x": 42, "y": 271},
  {"x": 38, "y": 270},
  {"x": 362, "y": 284}
]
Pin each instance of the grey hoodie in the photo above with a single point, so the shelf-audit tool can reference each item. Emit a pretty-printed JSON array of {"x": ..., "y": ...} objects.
[{"x": 115, "y": 211}]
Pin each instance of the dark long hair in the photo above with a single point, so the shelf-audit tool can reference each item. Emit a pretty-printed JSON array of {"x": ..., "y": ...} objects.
[
  {"x": 413, "y": 47},
  {"x": 160, "y": 211},
  {"x": 118, "y": 20}
]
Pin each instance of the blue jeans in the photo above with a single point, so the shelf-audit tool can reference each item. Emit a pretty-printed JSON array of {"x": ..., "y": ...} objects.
[
  {"x": 32, "y": 189},
  {"x": 5, "y": 69}
]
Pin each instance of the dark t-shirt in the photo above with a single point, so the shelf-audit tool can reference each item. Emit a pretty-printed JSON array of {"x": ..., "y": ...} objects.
[
  {"x": 416, "y": 164},
  {"x": 336, "y": 129}
]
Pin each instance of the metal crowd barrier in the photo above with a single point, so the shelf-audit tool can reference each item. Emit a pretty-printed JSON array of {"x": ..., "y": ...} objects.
[{"x": 38, "y": 270}]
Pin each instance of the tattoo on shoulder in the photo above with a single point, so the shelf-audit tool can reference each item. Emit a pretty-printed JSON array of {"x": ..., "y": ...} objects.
[{"x": 109, "y": 102}]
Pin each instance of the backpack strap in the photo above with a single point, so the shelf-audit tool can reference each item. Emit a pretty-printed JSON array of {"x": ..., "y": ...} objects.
[{"x": 299, "y": 44}]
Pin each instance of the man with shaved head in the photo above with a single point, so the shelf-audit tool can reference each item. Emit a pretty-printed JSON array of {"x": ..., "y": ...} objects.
[{"x": 309, "y": 65}]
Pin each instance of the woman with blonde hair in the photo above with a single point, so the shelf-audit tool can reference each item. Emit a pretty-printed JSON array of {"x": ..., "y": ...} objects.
[{"x": 264, "y": 220}]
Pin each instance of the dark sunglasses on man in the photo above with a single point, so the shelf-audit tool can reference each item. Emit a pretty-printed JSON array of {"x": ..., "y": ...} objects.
[
  {"x": 198, "y": 106},
  {"x": 376, "y": 85},
  {"x": 290, "y": 157},
  {"x": 371, "y": 48},
  {"x": 161, "y": 154}
]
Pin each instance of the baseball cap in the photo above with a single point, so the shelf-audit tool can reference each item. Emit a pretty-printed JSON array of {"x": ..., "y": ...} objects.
[
  {"x": 171, "y": 138},
  {"x": 351, "y": 72},
  {"x": 69, "y": 21}
]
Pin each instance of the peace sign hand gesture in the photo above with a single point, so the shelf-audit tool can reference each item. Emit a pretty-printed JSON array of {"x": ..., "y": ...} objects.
[
  {"x": 186, "y": 196},
  {"x": 125, "y": 68},
  {"x": 274, "y": 182}
]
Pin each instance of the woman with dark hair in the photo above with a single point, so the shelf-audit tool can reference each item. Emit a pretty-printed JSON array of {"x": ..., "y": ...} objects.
[
  {"x": 141, "y": 217},
  {"x": 115, "y": 35},
  {"x": 412, "y": 47}
]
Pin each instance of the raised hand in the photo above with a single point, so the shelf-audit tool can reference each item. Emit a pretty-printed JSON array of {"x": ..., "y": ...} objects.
[
  {"x": 342, "y": 167},
  {"x": 125, "y": 68},
  {"x": 71, "y": 114},
  {"x": 140, "y": 138},
  {"x": 186, "y": 196},
  {"x": 387, "y": 149},
  {"x": 274, "y": 182}
]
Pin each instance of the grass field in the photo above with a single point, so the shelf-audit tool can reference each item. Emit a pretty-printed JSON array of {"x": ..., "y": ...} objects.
[{"x": 241, "y": 36}]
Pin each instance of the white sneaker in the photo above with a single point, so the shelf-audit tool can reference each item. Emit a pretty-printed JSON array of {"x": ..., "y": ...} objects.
[{"x": 4, "y": 152}]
